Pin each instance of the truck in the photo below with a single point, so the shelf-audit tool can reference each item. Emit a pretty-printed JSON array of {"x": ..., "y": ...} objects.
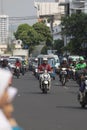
[{"x": 24, "y": 53}]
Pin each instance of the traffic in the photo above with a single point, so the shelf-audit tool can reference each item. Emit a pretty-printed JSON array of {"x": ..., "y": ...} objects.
[
  {"x": 45, "y": 71},
  {"x": 46, "y": 67}
]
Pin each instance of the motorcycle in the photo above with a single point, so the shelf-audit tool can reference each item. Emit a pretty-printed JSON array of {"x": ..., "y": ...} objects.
[
  {"x": 23, "y": 69},
  {"x": 35, "y": 71},
  {"x": 82, "y": 96},
  {"x": 17, "y": 72},
  {"x": 72, "y": 73},
  {"x": 45, "y": 82},
  {"x": 63, "y": 74}
]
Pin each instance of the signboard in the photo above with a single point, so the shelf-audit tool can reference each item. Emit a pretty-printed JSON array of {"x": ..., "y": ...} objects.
[
  {"x": 3, "y": 46},
  {"x": 18, "y": 46}
]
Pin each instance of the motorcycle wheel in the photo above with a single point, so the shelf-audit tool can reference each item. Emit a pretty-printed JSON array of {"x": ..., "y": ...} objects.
[
  {"x": 83, "y": 105},
  {"x": 63, "y": 80},
  {"x": 17, "y": 75},
  {"x": 45, "y": 89},
  {"x": 23, "y": 73}
]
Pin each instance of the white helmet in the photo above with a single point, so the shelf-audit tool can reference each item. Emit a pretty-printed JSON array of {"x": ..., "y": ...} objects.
[
  {"x": 44, "y": 59},
  {"x": 64, "y": 59},
  {"x": 36, "y": 59}
]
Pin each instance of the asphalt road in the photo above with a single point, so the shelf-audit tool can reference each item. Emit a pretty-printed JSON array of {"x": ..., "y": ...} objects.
[{"x": 57, "y": 110}]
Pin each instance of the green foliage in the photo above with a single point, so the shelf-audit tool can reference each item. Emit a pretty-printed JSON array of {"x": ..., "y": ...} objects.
[
  {"x": 34, "y": 35},
  {"x": 75, "y": 27},
  {"x": 58, "y": 45},
  {"x": 27, "y": 34},
  {"x": 31, "y": 49},
  {"x": 44, "y": 49},
  {"x": 43, "y": 31},
  {"x": 49, "y": 41},
  {"x": 21, "y": 29}
]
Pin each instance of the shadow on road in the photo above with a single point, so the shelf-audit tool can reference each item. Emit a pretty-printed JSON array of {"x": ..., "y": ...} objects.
[
  {"x": 37, "y": 93},
  {"x": 71, "y": 107}
]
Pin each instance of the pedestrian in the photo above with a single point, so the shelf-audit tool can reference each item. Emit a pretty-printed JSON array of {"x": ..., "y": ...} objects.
[
  {"x": 5, "y": 78},
  {"x": 7, "y": 94}
]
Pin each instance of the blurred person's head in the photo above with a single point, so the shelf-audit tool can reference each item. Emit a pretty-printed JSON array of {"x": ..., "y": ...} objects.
[{"x": 5, "y": 82}]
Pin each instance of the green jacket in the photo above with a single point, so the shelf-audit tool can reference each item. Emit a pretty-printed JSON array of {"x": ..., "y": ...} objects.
[{"x": 80, "y": 66}]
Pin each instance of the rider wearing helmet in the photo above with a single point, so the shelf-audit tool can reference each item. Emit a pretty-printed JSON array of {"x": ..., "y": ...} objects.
[
  {"x": 36, "y": 62},
  {"x": 44, "y": 65},
  {"x": 80, "y": 67},
  {"x": 18, "y": 63},
  {"x": 81, "y": 64},
  {"x": 64, "y": 64},
  {"x": 74, "y": 63}
]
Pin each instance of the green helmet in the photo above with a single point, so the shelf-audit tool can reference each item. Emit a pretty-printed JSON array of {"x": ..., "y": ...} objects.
[{"x": 81, "y": 58}]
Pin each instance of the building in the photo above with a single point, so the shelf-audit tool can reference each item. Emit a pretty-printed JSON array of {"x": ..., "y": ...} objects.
[
  {"x": 57, "y": 32},
  {"x": 4, "y": 29},
  {"x": 51, "y": 12},
  {"x": 73, "y": 6}
]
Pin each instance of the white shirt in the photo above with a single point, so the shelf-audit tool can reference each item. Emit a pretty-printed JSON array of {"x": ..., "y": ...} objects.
[{"x": 4, "y": 123}]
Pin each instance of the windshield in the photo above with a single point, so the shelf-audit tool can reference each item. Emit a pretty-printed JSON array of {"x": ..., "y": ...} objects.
[
  {"x": 51, "y": 61},
  {"x": 12, "y": 61},
  {"x": 56, "y": 60}
]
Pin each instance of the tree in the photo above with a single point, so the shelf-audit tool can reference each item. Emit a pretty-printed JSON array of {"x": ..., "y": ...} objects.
[
  {"x": 27, "y": 34},
  {"x": 43, "y": 31},
  {"x": 58, "y": 45},
  {"x": 49, "y": 41},
  {"x": 34, "y": 35},
  {"x": 44, "y": 49},
  {"x": 75, "y": 28}
]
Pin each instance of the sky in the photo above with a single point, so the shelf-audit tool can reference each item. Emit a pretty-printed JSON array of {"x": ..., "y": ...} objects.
[{"x": 19, "y": 8}]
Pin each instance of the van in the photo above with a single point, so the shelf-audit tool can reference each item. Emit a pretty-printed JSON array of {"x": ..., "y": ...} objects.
[{"x": 53, "y": 60}]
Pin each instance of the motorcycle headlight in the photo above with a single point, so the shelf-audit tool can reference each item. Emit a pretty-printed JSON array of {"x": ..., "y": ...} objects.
[{"x": 86, "y": 82}]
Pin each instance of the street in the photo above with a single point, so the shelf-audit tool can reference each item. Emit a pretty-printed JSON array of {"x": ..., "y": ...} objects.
[{"x": 57, "y": 110}]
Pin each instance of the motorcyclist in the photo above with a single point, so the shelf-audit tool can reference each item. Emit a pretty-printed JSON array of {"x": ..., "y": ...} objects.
[
  {"x": 72, "y": 69},
  {"x": 70, "y": 61},
  {"x": 80, "y": 67},
  {"x": 36, "y": 62},
  {"x": 35, "y": 65},
  {"x": 44, "y": 65},
  {"x": 81, "y": 71},
  {"x": 18, "y": 64},
  {"x": 81, "y": 64},
  {"x": 23, "y": 67},
  {"x": 74, "y": 63},
  {"x": 64, "y": 64}
]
